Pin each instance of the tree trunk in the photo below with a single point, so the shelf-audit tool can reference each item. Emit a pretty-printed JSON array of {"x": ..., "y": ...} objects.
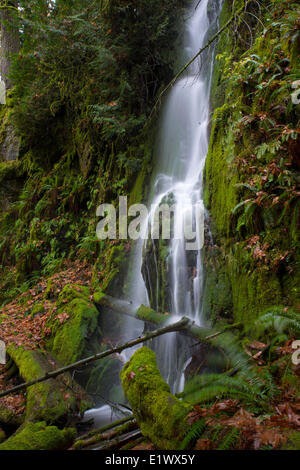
[{"x": 10, "y": 40}]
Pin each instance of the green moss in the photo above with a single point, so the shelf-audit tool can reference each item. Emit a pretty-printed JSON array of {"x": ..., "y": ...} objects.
[
  {"x": 220, "y": 178},
  {"x": 293, "y": 442},
  {"x": 147, "y": 314},
  {"x": 39, "y": 436},
  {"x": 73, "y": 291},
  {"x": 97, "y": 296},
  {"x": 115, "y": 271},
  {"x": 10, "y": 419},
  {"x": 241, "y": 150},
  {"x": 2, "y": 436},
  {"x": 69, "y": 339},
  {"x": 160, "y": 415},
  {"x": 37, "y": 309},
  {"x": 140, "y": 187}
]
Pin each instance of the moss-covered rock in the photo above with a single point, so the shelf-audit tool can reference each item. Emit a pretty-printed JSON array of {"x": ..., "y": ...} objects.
[
  {"x": 161, "y": 416},
  {"x": 9, "y": 141},
  {"x": 73, "y": 325},
  {"x": 39, "y": 436}
]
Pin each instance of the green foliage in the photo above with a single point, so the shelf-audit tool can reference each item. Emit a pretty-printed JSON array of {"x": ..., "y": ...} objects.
[
  {"x": 276, "y": 321},
  {"x": 82, "y": 90},
  {"x": 230, "y": 439},
  {"x": 195, "y": 431},
  {"x": 254, "y": 393},
  {"x": 39, "y": 436},
  {"x": 252, "y": 167},
  {"x": 87, "y": 74}
]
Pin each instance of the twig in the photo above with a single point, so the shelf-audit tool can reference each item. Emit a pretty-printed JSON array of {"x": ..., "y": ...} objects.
[
  {"x": 107, "y": 427},
  {"x": 120, "y": 441}
]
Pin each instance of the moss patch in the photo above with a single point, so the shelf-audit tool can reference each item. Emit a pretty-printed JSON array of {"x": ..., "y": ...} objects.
[
  {"x": 73, "y": 325},
  {"x": 161, "y": 416},
  {"x": 147, "y": 314},
  {"x": 39, "y": 436}
]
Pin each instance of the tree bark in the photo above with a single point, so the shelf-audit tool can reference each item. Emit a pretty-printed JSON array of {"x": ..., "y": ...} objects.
[{"x": 10, "y": 40}]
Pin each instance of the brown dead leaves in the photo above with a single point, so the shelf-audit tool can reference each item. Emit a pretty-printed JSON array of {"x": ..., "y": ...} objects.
[
  {"x": 18, "y": 326},
  {"x": 256, "y": 432}
]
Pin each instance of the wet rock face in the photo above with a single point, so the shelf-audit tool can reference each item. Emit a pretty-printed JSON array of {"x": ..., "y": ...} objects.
[
  {"x": 156, "y": 274},
  {"x": 9, "y": 148}
]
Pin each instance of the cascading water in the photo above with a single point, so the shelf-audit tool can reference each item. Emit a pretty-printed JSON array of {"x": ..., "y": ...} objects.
[{"x": 181, "y": 149}]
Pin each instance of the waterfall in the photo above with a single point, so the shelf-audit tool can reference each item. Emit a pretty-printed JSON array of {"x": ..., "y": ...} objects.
[{"x": 180, "y": 153}]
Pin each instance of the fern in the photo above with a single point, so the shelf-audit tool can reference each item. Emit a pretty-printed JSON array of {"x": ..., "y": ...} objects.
[
  {"x": 256, "y": 391},
  {"x": 230, "y": 439},
  {"x": 278, "y": 321},
  {"x": 194, "y": 433}
]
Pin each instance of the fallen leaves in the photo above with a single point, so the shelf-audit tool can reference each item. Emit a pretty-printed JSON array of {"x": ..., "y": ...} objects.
[
  {"x": 63, "y": 317},
  {"x": 17, "y": 324},
  {"x": 256, "y": 431},
  {"x": 131, "y": 375}
]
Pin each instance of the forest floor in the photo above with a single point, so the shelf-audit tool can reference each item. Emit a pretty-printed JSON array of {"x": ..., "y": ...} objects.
[
  {"x": 22, "y": 326},
  {"x": 228, "y": 422}
]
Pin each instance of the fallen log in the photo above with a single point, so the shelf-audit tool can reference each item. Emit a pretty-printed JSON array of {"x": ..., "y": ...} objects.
[
  {"x": 120, "y": 441},
  {"x": 150, "y": 316},
  {"x": 183, "y": 323},
  {"x": 161, "y": 416},
  {"x": 107, "y": 427},
  {"x": 106, "y": 436},
  {"x": 222, "y": 340}
]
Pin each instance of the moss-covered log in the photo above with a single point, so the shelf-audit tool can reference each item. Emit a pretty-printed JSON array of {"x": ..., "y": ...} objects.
[
  {"x": 54, "y": 401},
  {"x": 161, "y": 416},
  {"x": 222, "y": 342},
  {"x": 106, "y": 436}
]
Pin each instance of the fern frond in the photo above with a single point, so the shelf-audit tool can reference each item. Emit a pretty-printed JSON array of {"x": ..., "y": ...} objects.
[
  {"x": 230, "y": 439},
  {"x": 277, "y": 320},
  {"x": 197, "y": 429}
]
